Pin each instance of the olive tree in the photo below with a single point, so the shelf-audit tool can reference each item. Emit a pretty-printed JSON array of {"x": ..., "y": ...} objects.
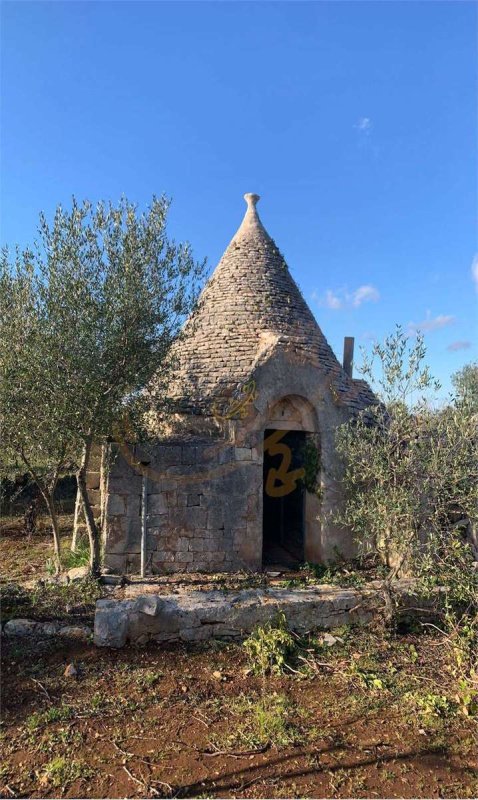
[
  {"x": 411, "y": 467},
  {"x": 32, "y": 412},
  {"x": 465, "y": 383},
  {"x": 108, "y": 292}
]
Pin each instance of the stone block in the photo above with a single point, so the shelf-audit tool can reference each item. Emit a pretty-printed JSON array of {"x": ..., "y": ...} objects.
[
  {"x": 215, "y": 516},
  {"x": 243, "y": 453},
  {"x": 115, "y": 505},
  {"x": 116, "y": 562},
  {"x": 188, "y": 454},
  {"x": 93, "y": 479},
  {"x": 94, "y": 496},
  {"x": 123, "y": 534},
  {"x": 133, "y": 505},
  {"x": 164, "y": 555},
  {"x": 157, "y": 504},
  {"x": 80, "y": 633},
  {"x": 19, "y": 627},
  {"x": 193, "y": 500},
  {"x": 50, "y": 628},
  {"x": 171, "y": 499},
  {"x": 190, "y": 616},
  {"x": 133, "y": 562},
  {"x": 209, "y": 545},
  {"x": 188, "y": 518},
  {"x": 167, "y": 455},
  {"x": 160, "y": 523},
  {"x": 182, "y": 544},
  {"x": 217, "y": 557},
  {"x": 153, "y": 541},
  {"x": 197, "y": 545},
  {"x": 111, "y": 623},
  {"x": 124, "y": 484},
  {"x": 148, "y": 604}
]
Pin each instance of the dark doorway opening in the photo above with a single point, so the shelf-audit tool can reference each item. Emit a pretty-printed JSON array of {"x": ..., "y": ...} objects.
[{"x": 283, "y": 496}]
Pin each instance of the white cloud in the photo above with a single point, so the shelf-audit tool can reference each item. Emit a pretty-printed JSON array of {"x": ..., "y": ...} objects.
[
  {"x": 431, "y": 323},
  {"x": 460, "y": 345},
  {"x": 365, "y": 294},
  {"x": 474, "y": 271},
  {"x": 341, "y": 298},
  {"x": 364, "y": 125},
  {"x": 332, "y": 300}
]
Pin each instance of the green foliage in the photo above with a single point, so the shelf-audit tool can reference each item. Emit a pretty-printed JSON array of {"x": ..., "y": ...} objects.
[
  {"x": 435, "y": 705},
  {"x": 60, "y": 771},
  {"x": 465, "y": 383},
  {"x": 451, "y": 566},
  {"x": 53, "y": 714},
  {"x": 467, "y": 695},
  {"x": 411, "y": 472},
  {"x": 367, "y": 678},
  {"x": 47, "y": 600},
  {"x": 268, "y": 720},
  {"x": 335, "y": 574},
  {"x": 87, "y": 317},
  {"x": 79, "y": 557},
  {"x": 411, "y": 480},
  {"x": 311, "y": 464},
  {"x": 269, "y": 646}
]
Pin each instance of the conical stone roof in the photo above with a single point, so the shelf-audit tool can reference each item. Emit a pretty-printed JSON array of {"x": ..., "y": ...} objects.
[{"x": 250, "y": 306}]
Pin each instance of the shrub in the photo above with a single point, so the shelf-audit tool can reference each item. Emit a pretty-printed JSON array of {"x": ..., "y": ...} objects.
[{"x": 269, "y": 646}]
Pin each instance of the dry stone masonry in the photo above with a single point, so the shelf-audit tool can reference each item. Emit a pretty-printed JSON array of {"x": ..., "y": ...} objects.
[
  {"x": 197, "y": 616},
  {"x": 201, "y": 615}
]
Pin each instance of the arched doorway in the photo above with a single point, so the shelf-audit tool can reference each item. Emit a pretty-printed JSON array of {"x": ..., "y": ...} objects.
[
  {"x": 290, "y": 518},
  {"x": 283, "y": 498}
]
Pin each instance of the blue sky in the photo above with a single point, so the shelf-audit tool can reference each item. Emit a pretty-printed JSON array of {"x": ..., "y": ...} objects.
[{"x": 355, "y": 121}]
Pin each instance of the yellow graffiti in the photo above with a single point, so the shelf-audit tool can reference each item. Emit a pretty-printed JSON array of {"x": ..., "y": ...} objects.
[
  {"x": 288, "y": 480},
  {"x": 239, "y": 407}
]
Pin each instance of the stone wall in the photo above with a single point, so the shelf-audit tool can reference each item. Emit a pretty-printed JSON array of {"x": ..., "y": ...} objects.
[
  {"x": 204, "y": 507},
  {"x": 196, "y": 616}
]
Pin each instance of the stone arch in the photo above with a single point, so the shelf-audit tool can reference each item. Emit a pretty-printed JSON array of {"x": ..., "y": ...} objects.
[{"x": 292, "y": 412}]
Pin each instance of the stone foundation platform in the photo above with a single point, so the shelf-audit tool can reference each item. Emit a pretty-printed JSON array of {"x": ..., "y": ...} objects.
[{"x": 196, "y": 616}]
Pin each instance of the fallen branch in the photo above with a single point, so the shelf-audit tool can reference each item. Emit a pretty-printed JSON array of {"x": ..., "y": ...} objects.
[
  {"x": 148, "y": 789},
  {"x": 43, "y": 689},
  {"x": 235, "y": 753}
]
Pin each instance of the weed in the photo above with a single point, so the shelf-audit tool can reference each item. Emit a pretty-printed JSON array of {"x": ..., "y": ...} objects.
[
  {"x": 432, "y": 705},
  {"x": 60, "y": 772},
  {"x": 467, "y": 697},
  {"x": 48, "y": 599},
  {"x": 40, "y": 719},
  {"x": 269, "y": 646},
  {"x": 413, "y": 655},
  {"x": 264, "y": 721},
  {"x": 149, "y": 679},
  {"x": 79, "y": 557},
  {"x": 368, "y": 679},
  {"x": 63, "y": 736},
  {"x": 50, "y": 567}
]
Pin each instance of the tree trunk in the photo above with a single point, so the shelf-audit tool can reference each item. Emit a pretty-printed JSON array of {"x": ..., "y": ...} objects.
[
  {"x": 47, "y": 491},
  {"x": 54, "y": 527},
  {"x": 91, "y": 526},
  {"x": 76, "y": 521}
]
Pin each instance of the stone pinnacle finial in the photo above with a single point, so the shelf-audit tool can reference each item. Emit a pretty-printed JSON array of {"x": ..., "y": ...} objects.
[
  {"x": 251, "y": 222},
  {"x": 251, "y": 200}
]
